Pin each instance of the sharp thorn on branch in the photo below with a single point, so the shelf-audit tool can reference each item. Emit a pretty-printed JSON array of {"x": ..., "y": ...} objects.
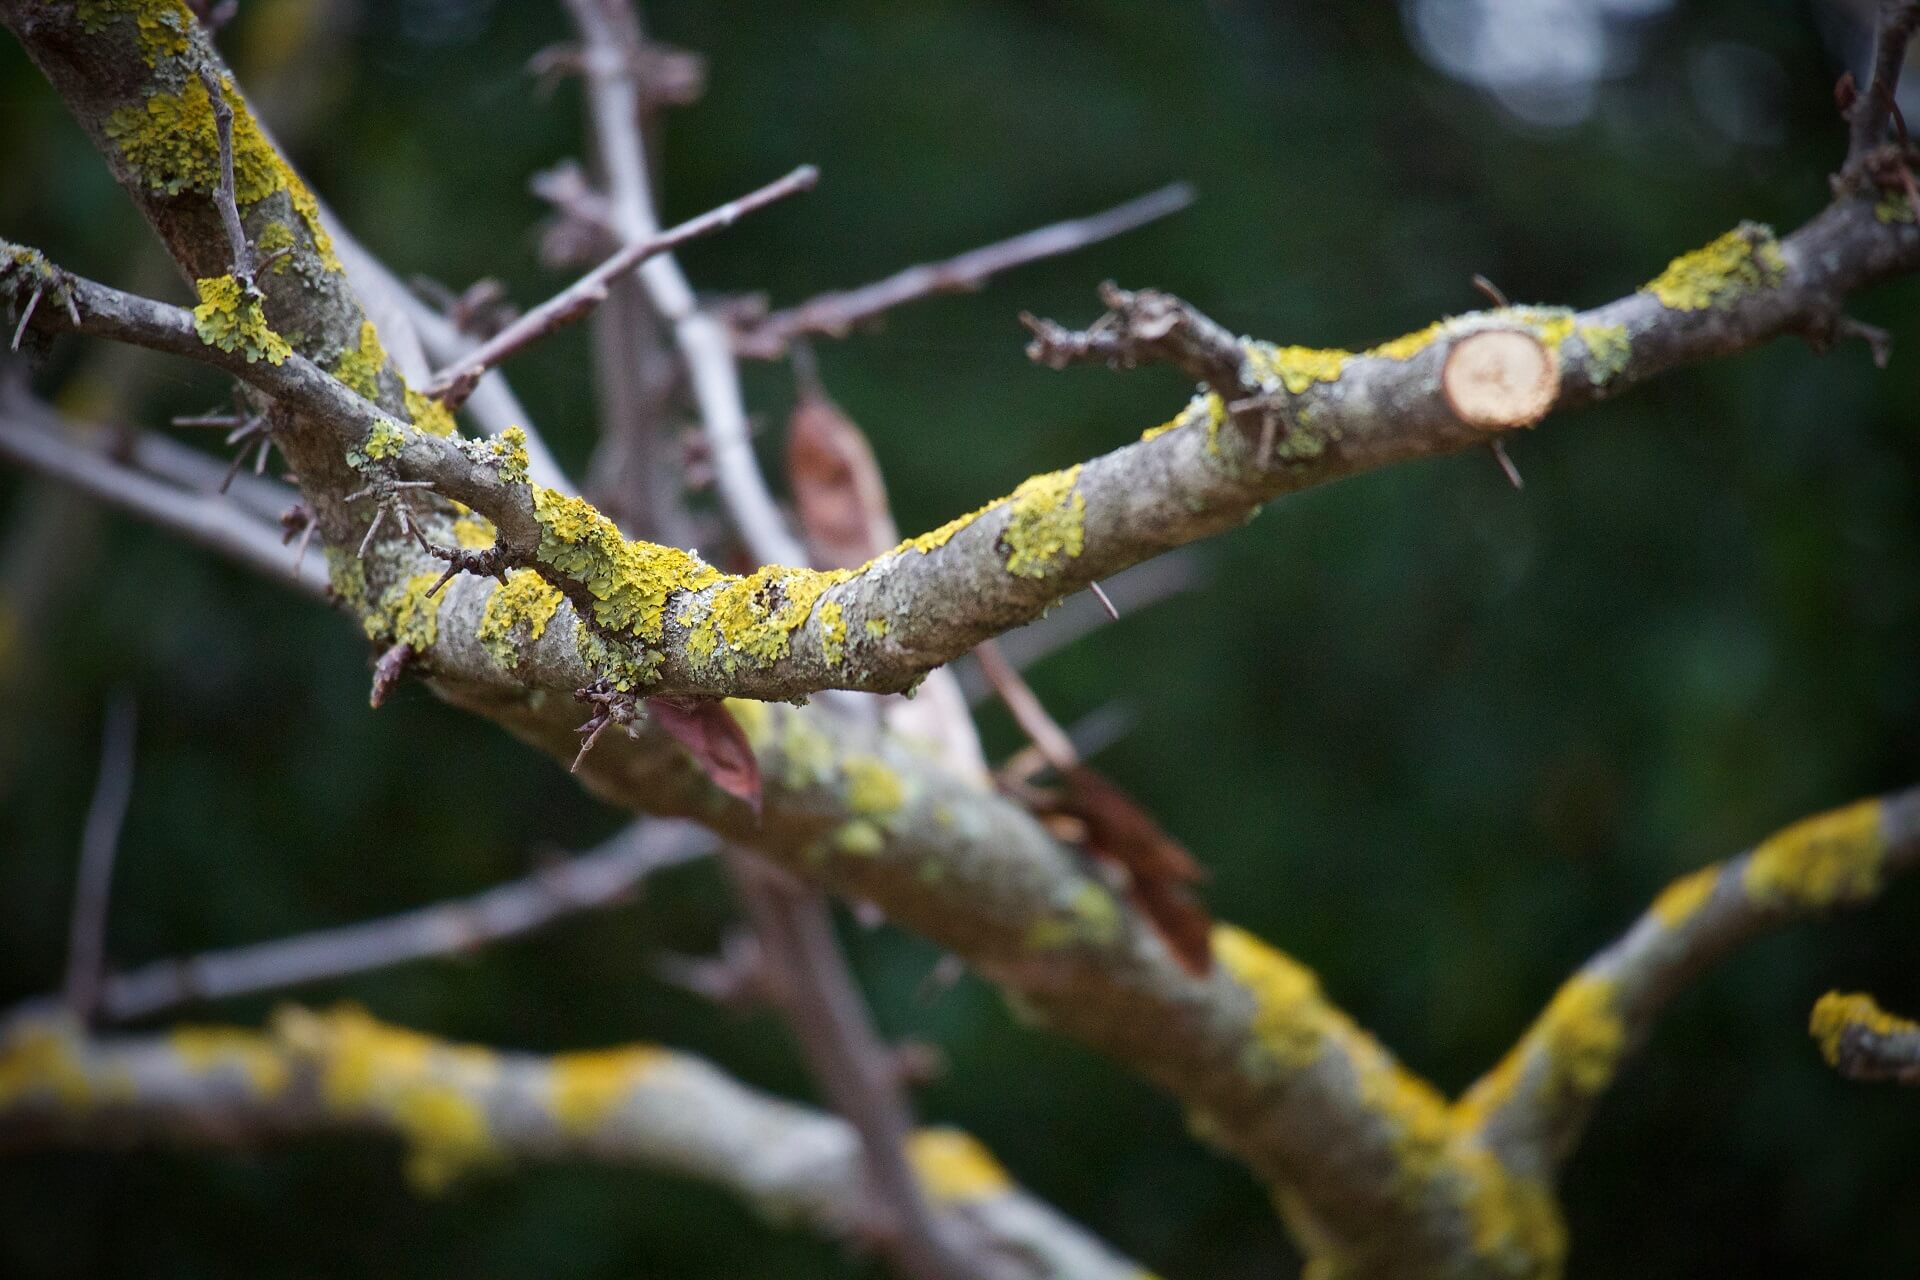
[
  {"x": 1106, "y": 602},
  {"x": 1492, "y": 291},
  {"x": 1507, "y": 468},
  {"x": 26, "y": 316}
]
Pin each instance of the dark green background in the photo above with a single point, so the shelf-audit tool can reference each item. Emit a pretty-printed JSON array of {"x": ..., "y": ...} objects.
[{"x": 1438, "y": 738}]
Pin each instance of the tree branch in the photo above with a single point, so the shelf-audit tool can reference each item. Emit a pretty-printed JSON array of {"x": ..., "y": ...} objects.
[
  {"x": 453, "y": 386},
  {"x": 1864, "y": 1042},
  {"x": 93, "y": 882},
  {"x": 1531, "y": 1108},
  {"x": 837, "y": 314},
  {"x": 462, "y": 1109}
]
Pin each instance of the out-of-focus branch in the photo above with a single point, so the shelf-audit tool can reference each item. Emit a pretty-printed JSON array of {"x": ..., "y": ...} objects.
[
  {"x": 614, "y": 99},
  {"x": 203, "y": 518},
  {"x": 837, "y": 314},
  {"x": 603, "y": 877},
  {"x": 463, "y": 1110},
  {"x": 452, "y": 386},
  {"x": 1531, "y": 1108},
  {"x": 1863, "y": 1041},
  {"x": 1896, "y": 24},
  {"x": 93, "y": 881}
]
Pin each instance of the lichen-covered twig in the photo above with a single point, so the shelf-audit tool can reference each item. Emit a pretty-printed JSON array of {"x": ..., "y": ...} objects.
[
  {"x": 1530, "y": 1109},
  {"x": 1862, "y": 1041},
  {"x": 452, "y": 386},
  {"x": 838, "y": 314},
  {"x": 602, "y": 877},
  {"x": 463, "y": 1110},
  {"x": 93, "y": 881}
]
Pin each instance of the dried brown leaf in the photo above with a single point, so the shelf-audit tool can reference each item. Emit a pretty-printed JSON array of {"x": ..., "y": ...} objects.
[
  {"x": 837, "y": 490},
  {"x": 708, "y": 730}
]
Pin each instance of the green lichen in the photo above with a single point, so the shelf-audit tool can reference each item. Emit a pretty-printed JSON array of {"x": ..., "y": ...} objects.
[
  {"x": 172, "y": 144},
  {"x": 1047, "y": 521},
  {"x": 833, "y": 632},
  {"x": 1090, "y": 917},
  {"x": 626, "y": 667},
  {"x": 407, "y": 614},
  {"x": 347, "y": 576},
  {"x": 359, "y": 366},
  {"x": 430, "y": 415},
  {"x": 859, "y": 837},
  {"x": 524, "y": 598},
  {"x": 1743, "y": 261},
  {"x": 1894, "y": 208},
  {"x": 230, "y": 318},
  {"x": 1609, "y": 350}
]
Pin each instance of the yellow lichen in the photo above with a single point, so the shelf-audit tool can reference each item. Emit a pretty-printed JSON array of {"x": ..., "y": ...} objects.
[
  {"x": 806, "y": 752},
  {"x": 1046, "y": 521},
  {"x": 40, "y": 1056},
  {"x": 161, "y": 25},
  {"x": 1894, "y": 208},
  {"x": 1581, "y": 1034},
  {"x": 524, "y": 598},
  {"x": 873, "y": 790},
  {"x": 277, "y": 236},
  {"x": 877, "y": 628},
  {"x": 347, "y": 576},
  {"x": 833, "y": 632},
  {"x": 954, "y": 1168},
  {"x": 588, "y": 1086},
  {"x": 753, "y": 618},
  {"x": 385, "y": 439},
  {"x": 407, "y": 614},
  {"x": 359, "y": 366},
  {"x": 1834, "y": 1014},
  {"x": 629, "y": 581},
  {"x": 430, "y": 415},
  {"x": 1290, "y": 1016},
  {"x": 1822, "y": 861},
  {"x": 1680, "y": 901},
  {"x": 1412, "y": 344},
  {"x": 1742, "y": 261},
  {"x": 208, "y": 1049},
  {"x": 1297, "y": 368},
  {"x": 231, "y": 318},
  {"x": 1515, "y": 1218},
  {"x": 1609, "y": 349},
  {"x": 475, "y": 533},
  {"x": 859, "y": 837},
  {"x": 171, "y": 142}
]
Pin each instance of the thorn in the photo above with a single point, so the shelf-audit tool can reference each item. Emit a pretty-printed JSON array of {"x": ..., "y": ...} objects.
[
  {"x": 373, "y": 527},
  {"x": 1506, "y": 465},
  {"x": 593, "y": 729},
  {"x": 1491, "y": 290},
  {"x": 1105, "y": 602},
  {"x": 300, "y": 552},
  {"x": 1879, "y": 341},
  {"x": 25, "y": 316}
]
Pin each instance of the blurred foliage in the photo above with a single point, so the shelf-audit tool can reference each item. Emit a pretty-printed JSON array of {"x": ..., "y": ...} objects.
[{"x": 1440, "y": 738}]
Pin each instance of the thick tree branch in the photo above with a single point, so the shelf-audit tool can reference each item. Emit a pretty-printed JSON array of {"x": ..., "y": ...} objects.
[
  {"x": 463, "y": 1110},
  {"x": 1531, "y": 1108}
]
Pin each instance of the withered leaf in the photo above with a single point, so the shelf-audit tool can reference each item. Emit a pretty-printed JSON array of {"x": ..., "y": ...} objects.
[
  {"x": 1159, "y": 869},
  {"x": 837, "y": 490},
  {"x": 708, "y": 730}
]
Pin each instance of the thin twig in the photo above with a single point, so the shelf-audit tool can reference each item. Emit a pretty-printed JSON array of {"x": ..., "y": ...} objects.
[
  {"x": 1055, "y": 747},
  {"x": 606, "y": 876},
  {"x": 836, "y": 314},
  {"x": 93, "y": 888},
  {"x": 224, "y": 199},
  {"x": 454, "y": 385},
  {"x": 1898, "y": 22}
]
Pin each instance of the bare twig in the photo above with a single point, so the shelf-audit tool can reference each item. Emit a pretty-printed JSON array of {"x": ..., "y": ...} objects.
[
  {"x": 807, "y": 975},
  {"x": 1898, "y": 21},
  {"x": 455, "y": 384},
  {"x": 224, "y": 199},
  {"x": 93, "y": 887},
  {"x": 837, "y": 314},
  {"x": 1055, "y": 747},
  {"x": 603, "y": 877}
]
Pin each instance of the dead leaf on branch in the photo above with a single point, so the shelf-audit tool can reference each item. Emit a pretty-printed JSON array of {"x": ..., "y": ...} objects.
[
  {"x": 716, "y": 741},
  {"x": 837, "y": 490}
]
